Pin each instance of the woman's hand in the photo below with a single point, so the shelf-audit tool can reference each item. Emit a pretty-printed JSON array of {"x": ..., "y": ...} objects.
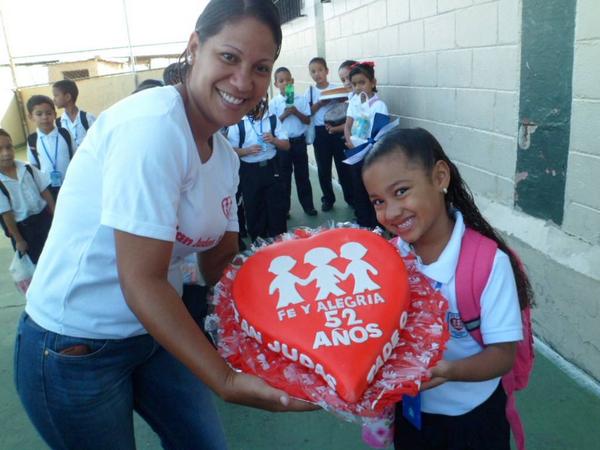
[
  {"x": 21, "y": 246},
  {"x": 251, "y": 391}
]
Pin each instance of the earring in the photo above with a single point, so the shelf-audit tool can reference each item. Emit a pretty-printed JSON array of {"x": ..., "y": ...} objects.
[
  {"x": 188, "y": 59},
  {"x": 445, "y": 191}
]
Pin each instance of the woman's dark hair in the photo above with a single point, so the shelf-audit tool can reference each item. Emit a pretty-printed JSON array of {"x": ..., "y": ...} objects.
[
  {"x": 172, "y": 74},
  {"x": 366, "y": 69},
  {"x": 218, "y": 13},
  {"x": 418, "y": 145},
  {"x": 347, "y": 63},
  {"x": 318, "y": 60}
]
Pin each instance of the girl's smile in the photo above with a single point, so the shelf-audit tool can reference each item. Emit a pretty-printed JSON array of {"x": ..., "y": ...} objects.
[{"x": 410, "y": 203}]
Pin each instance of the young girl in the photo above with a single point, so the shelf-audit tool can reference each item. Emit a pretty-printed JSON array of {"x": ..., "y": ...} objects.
[
  {"x": 26, "y": 205},
  {"x": 364, "y": 100},
  {"x": 344, "y": 74},
  {"x": 419, "y": 195},
  {"x": 256, "y": 140},
  {"x": 327, "y": 146},
  {"x": 361, "y": 112}
]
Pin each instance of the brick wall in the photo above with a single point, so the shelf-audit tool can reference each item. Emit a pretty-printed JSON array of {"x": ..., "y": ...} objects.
[{"x": 582, "y": 202}]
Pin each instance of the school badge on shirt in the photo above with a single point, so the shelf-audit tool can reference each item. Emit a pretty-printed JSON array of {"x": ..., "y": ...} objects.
[{"x": 456, "y": 326}]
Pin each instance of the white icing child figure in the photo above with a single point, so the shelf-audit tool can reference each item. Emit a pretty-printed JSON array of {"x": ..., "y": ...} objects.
[
  {"x": 358, "y": 268},
  {"x": 285, "y": 282},
  {"x": 327, "y": 277}
]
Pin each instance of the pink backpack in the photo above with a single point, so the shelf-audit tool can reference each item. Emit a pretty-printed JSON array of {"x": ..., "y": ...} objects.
[{"x": 474, "y": 267}]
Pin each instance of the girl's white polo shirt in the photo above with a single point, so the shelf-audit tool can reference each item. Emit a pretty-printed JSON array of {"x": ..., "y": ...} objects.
[
  {"x": 500, "y": 322},
  {"x": 138, "y": 171},
  {"x": 25, "y": 192}
]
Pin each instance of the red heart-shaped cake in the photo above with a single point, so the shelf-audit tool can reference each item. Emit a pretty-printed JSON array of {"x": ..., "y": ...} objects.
[{"x": 334, "y": 302}]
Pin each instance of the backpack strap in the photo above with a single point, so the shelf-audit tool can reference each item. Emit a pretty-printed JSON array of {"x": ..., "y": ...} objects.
[
  {"x": 310, "y": 102},
  {"x": 67, "y": 137},
  {"x": 474, "y": 267},
  {"x": 84, "y": 120},
  {"x": 32, "y": 142},
  {"x": 273, "y": 122},
  {"x": 58, "y": 122},
  {"x": 242, "y": 133}
]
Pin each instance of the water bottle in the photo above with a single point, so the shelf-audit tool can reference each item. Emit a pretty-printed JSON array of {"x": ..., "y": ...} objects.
[{"x": 289, "y": 96}]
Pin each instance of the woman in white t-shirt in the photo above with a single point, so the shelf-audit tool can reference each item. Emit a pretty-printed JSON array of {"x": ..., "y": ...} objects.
[{"x": 104, "y": 332}]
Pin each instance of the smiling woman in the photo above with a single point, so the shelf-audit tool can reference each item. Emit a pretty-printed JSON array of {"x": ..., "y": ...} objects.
[{"x": 105, "y": 331}]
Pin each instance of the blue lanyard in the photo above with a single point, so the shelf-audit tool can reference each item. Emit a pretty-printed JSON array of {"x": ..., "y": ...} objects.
[
  {"x": 259, "y": 136},
  {"x": 55, "y": 161}
]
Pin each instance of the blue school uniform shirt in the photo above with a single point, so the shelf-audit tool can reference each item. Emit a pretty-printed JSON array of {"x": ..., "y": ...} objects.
[
  {"x": 53, "y": 152},
  {"x": 254, "y": 128}
]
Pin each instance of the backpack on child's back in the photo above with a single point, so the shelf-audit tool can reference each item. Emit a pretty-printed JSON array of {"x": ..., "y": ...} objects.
[{"x": 474, "y": 268}]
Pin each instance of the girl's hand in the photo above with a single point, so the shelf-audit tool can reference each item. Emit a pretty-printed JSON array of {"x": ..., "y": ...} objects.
[
  {"x": 439, "y": 375},
  {"x": 21, "y": 247},
  {"x": 268, "y": 138},
  {"x": 251, "y": 391},
  {"x": 328, "y": 127}
]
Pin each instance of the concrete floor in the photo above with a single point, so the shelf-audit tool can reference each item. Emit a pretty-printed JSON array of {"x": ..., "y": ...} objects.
[{"x": 558, "y": 413}]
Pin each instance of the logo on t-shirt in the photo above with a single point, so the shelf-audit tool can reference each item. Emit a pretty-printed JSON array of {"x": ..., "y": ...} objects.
[
  {"x": 226, "y": 204},
  {"x": 456, "y": 326}
]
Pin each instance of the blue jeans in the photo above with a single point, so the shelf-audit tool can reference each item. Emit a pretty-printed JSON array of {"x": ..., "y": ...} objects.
[{"x": 87, "y": 401}]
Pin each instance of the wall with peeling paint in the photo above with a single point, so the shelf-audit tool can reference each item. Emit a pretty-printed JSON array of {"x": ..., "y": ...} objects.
[{"x": 454, "y": 67}]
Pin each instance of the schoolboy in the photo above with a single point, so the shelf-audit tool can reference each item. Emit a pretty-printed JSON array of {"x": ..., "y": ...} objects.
[
  {"x": 50, "y": 148},
  {"x": 26, "y": 205},
  {"x": 294, "y": 119},
  {"x": 74, "y": 120}
]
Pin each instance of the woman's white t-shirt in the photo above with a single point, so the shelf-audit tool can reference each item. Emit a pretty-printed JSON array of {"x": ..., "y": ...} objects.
[{"x": 138, "y": 171}]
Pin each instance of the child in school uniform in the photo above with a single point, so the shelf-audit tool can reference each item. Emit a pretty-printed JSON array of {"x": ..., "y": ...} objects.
[
  {"x": 364, "y": 87},
  {"x": 26, "y": 205},
  {"x": 420, "y": 197},
  {"x": 50, "y": 148},
  {"x": 256, "y": 140},
  {"x": 294, "y": 119},
  {"x": 327, "y": 146},
  {"x": 74, "y": 120}
]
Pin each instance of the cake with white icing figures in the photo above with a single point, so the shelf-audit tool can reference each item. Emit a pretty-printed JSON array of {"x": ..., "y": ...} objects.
[{"x": 335, "y": 303}]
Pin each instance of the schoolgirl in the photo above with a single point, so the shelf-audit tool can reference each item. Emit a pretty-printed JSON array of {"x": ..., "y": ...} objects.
[
  {"x": 26, "y": 205},
  {"x": 362, "y": 107},
  {"x": 419, "y": 195}
]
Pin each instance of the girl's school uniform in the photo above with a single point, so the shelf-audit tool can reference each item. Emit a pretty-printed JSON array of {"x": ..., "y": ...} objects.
[
  {"x": 328, "y": 147},
  {"x": 500, "y": 322},
  {"x": 28, "y": 206},
  {"x": 262, "y": 189},
  {"x": 363, "y": 208},
  {"x": 296, "y": 159},
  {"x": 77, "y": 128}
]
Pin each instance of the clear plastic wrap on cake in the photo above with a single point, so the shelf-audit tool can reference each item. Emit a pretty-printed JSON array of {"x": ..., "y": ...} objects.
[{"x": 421, "y": 346}]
